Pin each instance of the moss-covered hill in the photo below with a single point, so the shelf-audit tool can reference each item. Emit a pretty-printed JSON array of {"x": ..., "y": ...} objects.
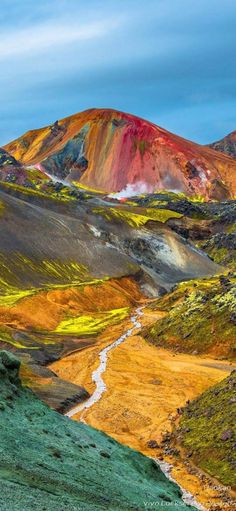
[
  {"x": 207, "y": 431},
  {"x": 50, "y": 463},
  {"x": 200, "y": 317}
]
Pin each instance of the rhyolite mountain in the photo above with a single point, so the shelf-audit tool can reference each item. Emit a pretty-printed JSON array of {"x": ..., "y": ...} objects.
[
  {"x": 226, "y": 145},
  {"x": 110, "y": 150}
]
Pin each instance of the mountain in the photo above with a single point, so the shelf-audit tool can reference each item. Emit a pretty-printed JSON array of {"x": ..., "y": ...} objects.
[
  {"x": 114, "y": 151},
  {"x": 226, "y": 145}
]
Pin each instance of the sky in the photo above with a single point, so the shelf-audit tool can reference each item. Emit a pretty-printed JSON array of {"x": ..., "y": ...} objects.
[{"x": 169, "y": 61}]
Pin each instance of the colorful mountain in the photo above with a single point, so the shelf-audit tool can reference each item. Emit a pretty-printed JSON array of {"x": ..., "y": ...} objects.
[
  {"x": 226, "y": 145},
  {"x": 114, "y": 151}
]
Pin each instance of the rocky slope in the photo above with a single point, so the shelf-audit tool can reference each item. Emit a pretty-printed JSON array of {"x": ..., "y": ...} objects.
[
  {"x": 209, "y": 225},
  {"x": 226, "y": 145},
  {"x": 110, "y": 150},
  {"x": 49, "y": 462},
  {"x": 207, "y": 431},
  {"x": 199, "y": 317}
]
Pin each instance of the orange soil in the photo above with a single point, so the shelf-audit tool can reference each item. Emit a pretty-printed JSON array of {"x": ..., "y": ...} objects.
[
  {"x": 46, "y": 309},
  {"x": 145, "y": 386}
]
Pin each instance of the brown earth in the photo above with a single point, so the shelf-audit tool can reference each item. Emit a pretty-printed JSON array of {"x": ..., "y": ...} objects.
[{"x": 46, "y": 309}]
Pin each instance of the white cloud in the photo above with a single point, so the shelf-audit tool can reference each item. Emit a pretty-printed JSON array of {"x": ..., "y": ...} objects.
[{"x": 39, "y": 38}]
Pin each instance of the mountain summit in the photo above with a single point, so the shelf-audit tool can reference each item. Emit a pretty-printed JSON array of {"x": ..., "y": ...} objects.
[{"x": 110, "y": 150}]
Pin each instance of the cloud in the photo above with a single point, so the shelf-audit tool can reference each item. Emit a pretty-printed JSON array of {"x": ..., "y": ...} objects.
[
  {"x": 51, "y": 36},
  {"x": 172, "y": 65}
]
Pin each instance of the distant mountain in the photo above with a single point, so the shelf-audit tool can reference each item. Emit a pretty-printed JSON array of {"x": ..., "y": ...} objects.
[
  {"x": 7, "y": 160},
  {"x": 226, "y": 145},
  {"x": 10, "y": 168},
  {"x": 13, "y": 171},
  {"x": 112, "y": 151}
]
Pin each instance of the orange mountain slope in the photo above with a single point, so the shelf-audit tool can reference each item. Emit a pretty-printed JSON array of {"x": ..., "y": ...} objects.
[{"x": 110, "y": 150}]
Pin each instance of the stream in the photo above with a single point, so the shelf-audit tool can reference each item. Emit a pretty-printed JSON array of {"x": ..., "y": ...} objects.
[
  {"x": 97, "y": 374},
  {"x": 101, "y": 388}
]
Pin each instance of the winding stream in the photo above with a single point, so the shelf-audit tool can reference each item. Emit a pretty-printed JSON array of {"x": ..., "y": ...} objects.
[
  {"x": 97, "y": 374},
  {"x": 101, "y": 388}
]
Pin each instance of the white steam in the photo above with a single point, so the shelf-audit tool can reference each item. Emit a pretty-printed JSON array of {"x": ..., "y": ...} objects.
[{"x": 131, "y": 190}]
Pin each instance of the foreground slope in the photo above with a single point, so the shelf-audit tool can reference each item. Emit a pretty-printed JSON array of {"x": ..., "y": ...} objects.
[
  {"x": 110, "y": 150},
  {"x": 207, "y": 431},
  {"x": 50, "y": 462}
]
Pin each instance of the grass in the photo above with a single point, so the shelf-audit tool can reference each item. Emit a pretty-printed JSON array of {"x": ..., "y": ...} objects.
[
  {"x": 2, "y": 207},
  {"x": 220, "y": 255},
  {"x": 38, "y": 192}
]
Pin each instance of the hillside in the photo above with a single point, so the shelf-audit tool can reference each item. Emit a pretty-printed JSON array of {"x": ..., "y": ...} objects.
[
  {"x": 110, "y": 151},
  {"x": 199, "y": 317},
  {"x": 207, "y": 431}
]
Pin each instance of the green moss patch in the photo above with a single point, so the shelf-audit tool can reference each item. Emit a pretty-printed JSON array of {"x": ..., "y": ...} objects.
[
  {"x": 207, "y": 431},
  {"x": 200, "y": 317}
]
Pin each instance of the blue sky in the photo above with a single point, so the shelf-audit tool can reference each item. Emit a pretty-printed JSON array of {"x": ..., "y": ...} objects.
[{"x": 170, "y": 61}]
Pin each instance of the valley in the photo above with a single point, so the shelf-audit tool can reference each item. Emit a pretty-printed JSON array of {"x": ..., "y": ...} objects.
[
  {"x": 143, "y": 388},
  {"x": 118, "y": 312}
]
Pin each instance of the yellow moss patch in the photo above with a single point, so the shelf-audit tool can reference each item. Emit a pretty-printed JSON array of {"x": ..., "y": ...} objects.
[
  {"x": 92, "y": 324},
  {"x": 35, "y": 192},
  {"x": 136, "y": 219},
  {"x": 2, "y": 207},
  {"x": 81, "y": 186}
]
